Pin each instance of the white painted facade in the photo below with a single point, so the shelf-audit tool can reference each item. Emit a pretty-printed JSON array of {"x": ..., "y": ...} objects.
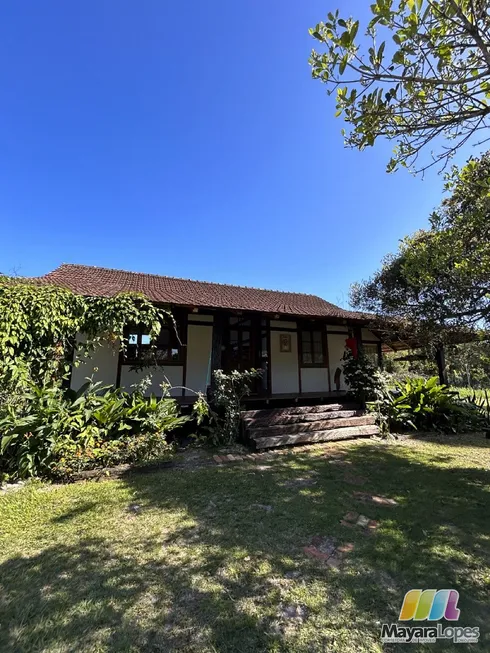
[
  {"x": 336, "y": 348},
  {"x": 314, "y": 379},
  {"x": 101, "y": 365},
  {"x": 369, "y": 335},
  {"x": 284, "y": 365},
  {"x": 173, "y": 374},
  {"x": 199, "y": 342},
  {"x": 287, "y": 375}
]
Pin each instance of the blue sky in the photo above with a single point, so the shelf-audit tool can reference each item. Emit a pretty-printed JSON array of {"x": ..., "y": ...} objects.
[{"x": 188, "y": 139}]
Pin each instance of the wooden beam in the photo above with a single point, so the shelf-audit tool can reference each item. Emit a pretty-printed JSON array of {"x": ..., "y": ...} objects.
[
  {"x": 257, "y": 432},
  {"x": 317, "y": 436},
  {"x": 295, "y": 410},
  {"x": 358, "y": 337},
  {"x": 380, "y": 355},
  {"x": 217, "y": 344},
  {"x": 262, "y": 422}
]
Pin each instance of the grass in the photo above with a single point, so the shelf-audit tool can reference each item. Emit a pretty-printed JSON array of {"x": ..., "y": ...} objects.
[
  {"x": 185, "y": 560},
  {"x": 479, "y": 393}
]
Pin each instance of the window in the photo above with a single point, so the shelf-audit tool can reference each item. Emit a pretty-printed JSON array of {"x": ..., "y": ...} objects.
[
  {"x": 313, "y": 348},
  {"x": 167, "y": 347},
  {"x": 240, "y": 344},
  {"x": 371, "y": 352}
]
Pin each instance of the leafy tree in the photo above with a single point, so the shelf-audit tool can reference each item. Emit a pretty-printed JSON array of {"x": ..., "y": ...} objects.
[
  {"x": 415, "y": 363},
  {"x": 469, "y": 365},
  {"x": 39, "y": 323},
  {"x": 440, "y": 278},
  {"x": 422, "y": 72}
]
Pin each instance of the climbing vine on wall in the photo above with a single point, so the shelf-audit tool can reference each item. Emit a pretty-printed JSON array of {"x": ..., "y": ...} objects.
[{"x": 39, "y": 324}]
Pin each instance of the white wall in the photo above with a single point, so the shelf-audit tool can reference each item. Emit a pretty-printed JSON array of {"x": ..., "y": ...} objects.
[
  {"x": 197, "y": 317},
  {"x": 282, "y": 324},
  {"x": 336, "y": 348},
  {"x": 102, "y": 365},
  {"x": 368, "y": 335},
  {"x": 174, "y": 374},
  {"x": 314, "y": 379},
  {"x": 284, "y": 365},
  {"x": 199, "y": 342}
]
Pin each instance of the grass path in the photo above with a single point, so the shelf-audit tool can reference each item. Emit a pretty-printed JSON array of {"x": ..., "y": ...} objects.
[{"x": 212, "y": 559}]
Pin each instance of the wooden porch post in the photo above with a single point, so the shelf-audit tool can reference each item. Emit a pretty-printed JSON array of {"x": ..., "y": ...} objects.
[
  {"x": 441, "y": 364},
  {"x": 380, "y": 355},
  {"x": 358, "y": 337},
  {"x": 217, "y": 345}
]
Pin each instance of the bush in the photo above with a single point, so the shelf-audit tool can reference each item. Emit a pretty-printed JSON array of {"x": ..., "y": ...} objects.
[
  {"x": 362, "y": 376},
  {"x": 229, "y": 391},
  {"x": 425, "y": 405},
  {"x": 55, "y": 434}
]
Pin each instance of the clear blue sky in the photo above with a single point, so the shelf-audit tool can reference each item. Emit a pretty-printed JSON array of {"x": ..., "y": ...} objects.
[{"x": 188, "y": 139}]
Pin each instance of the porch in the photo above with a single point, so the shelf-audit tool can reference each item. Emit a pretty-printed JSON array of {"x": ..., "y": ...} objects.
[{"x": 280, "y": 400}]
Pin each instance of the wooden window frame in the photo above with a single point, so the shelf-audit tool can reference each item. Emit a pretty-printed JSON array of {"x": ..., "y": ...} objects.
[
  {"x": 310, "y": 329},
  {"x": 173, "y": 343},
  {"x": 239, "y": 325}
]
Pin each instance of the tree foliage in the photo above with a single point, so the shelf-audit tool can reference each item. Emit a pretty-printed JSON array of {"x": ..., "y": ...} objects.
[
  {"x": 39, "y": 323},
  {"x": 46, "y": 429},
  {"x": 440, "y": 277},
  {"x": 361, "y": 376},
  {"x": 228, "y": 394},
  {"x": 422, "y": 72}
]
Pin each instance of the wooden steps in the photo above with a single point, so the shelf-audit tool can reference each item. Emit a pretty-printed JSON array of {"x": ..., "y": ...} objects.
[{"x": 302, "y": 424}]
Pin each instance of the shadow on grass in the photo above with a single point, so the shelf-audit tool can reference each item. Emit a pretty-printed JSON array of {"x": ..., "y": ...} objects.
[{"x": 219, "y": 576}]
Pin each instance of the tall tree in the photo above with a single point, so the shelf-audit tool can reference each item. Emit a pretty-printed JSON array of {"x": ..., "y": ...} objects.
[
  {"x": 422, "y": 72},
  {"x": 440, "y": 277}
]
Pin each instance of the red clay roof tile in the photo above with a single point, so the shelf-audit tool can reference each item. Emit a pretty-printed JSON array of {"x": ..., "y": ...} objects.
[{"x": 95, "y": 281}]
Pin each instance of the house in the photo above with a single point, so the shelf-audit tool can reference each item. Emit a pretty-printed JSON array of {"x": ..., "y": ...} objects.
[{"x": 297, "y": 339}]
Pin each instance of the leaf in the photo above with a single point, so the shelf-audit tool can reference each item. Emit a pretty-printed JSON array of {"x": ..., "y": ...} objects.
[
  {"x": 345, "y": 39},
  {"x": 398, "y": 57},
  {"x": 5, "y": 441},
  {"x": 354, "y": 30},
  {"x": 343, "y": 64}
]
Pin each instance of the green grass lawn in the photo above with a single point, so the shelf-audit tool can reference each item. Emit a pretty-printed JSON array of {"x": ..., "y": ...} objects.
[
  {"x": 469, "y": 393},
  {"x": 212, "y": 559}
]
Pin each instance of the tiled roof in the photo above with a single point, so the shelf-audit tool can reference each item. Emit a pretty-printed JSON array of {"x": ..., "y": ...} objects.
[{"x": 95, "y": 281}]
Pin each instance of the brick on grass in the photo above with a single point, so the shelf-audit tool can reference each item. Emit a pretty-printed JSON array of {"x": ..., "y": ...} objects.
[
  {"x": 347, "y": 523},
  {"x": 351, "y": 516},
  {"x": 334, "y": 562},
  {"x": 343, "y": 549},
  {"x": 313, "y": 552},
  {"x": 362, "y": 521}
]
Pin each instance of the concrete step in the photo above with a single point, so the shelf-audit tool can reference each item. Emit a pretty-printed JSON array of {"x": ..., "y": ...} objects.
[
  {"x": 316, "y": 436},
  {"x": 309, "y": 427}
]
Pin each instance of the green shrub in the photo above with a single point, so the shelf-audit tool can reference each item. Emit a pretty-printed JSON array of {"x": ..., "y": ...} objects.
[
  {"x": 54, "y": 433},
  {"x": 228, "y": 394},
  {"x": 361, "y": 375},
  {"x": 425, "y": 405}
]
